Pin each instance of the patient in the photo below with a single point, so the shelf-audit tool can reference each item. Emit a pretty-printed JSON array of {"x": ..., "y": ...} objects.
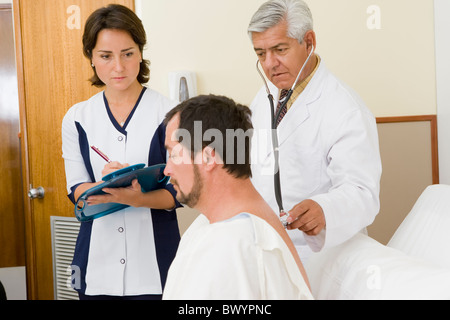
[{"x": 237, "y": 248}]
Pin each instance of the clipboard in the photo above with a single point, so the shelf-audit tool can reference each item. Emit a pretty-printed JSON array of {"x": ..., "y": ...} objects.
[{"x": 150, "y": 178}]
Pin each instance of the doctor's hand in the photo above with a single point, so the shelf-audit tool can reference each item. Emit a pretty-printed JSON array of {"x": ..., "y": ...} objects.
[{"x": 307, "y": 216}]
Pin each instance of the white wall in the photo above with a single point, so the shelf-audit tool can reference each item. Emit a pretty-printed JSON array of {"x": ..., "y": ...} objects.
[
  {"x": 392, "y": 68},
  {"x": 442, "y": 12},
  {"x": 14, "y": 282}
]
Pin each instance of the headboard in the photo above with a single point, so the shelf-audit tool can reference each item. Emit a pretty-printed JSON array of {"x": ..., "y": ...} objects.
[{"x": 409, "y": 153}]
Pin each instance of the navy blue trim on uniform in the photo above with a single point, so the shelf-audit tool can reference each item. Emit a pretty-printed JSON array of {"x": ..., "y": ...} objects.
[
  {"x": 84, "y": 148},
  {"x": 84, "y": 236},
  {"x": 80, "y": 258},
  {"x": 145, "y": 297},
  {"x": 165, "y": 223},
  {"x": 158, "y": 154},
  {"x": 72, "y": 193},
  {"x": 130, "y": 116},
  {"x": 114, "y": 121}
]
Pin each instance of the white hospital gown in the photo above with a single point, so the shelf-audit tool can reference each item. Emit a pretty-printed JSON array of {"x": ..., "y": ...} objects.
[{"x": 239, "y": 258}]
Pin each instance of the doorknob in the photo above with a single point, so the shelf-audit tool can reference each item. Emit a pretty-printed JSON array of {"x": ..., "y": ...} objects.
[{"x": 37, "y": 193}]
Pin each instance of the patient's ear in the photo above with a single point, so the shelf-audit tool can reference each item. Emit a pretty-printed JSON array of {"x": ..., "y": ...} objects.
[{"x": 210, "y": 158}]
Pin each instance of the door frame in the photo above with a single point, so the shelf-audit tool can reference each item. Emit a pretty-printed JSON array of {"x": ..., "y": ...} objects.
[{"x": 30, "y": 256}]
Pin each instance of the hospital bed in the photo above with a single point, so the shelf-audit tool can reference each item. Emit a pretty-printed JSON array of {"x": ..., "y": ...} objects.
[{"x": 415, "y": 264}]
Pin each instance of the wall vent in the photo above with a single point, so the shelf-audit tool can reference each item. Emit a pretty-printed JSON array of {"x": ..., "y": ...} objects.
[{"x": 64, "y": 236}]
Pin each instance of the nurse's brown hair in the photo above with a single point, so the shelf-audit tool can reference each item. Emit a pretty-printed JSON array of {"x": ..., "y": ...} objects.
[{"x": 117, "y": 17}]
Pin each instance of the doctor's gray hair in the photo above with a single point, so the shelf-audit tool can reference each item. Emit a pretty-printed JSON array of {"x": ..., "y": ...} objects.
[{"x": 295, "y": 12}]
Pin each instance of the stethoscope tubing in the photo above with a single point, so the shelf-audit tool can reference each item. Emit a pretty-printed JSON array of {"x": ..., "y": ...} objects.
[{"x": 274, "y": 126}]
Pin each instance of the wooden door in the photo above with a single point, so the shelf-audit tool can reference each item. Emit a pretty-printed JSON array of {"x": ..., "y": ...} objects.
[
  {"x": 12, "y": 238},
  {"x": 53, "y": 75}
]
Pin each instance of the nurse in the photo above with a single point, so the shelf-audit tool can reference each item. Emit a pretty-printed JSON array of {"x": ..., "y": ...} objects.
[
  {"x": 125, "y": 255},
  {"x": 329, "y": 159}
]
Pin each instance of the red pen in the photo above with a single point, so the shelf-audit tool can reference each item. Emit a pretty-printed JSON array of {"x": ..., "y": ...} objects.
[{"x": 101, "y": 154}]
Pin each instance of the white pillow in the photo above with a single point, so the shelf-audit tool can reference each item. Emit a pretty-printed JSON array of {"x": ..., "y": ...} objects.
[
  {"x": 425, "y": 231},
  {"x": 362, "y": 268}
]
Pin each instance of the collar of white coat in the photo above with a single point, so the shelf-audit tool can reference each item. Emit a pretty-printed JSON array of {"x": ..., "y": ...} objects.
[{"x": 299, "y": 111}]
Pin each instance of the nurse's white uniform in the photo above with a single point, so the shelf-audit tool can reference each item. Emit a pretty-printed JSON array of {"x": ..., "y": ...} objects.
[{"x": 123, "y": 253}]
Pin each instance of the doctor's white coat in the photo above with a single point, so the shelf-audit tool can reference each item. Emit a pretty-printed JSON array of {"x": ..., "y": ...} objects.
[{"x": 329, "y": 152}]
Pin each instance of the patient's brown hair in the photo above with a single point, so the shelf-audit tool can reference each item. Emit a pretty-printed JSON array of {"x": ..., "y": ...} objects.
[{"x": 223, "y": 114}]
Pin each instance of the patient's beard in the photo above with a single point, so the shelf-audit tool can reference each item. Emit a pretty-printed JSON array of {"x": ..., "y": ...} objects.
[{"x": 191, "y": 199}]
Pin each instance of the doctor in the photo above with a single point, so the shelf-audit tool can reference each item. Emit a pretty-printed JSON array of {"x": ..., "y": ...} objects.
[{"x": 329, "y": 159}]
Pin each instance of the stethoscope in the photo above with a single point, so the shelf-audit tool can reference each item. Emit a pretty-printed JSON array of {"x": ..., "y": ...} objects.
[{"x": 274, "y": 120}]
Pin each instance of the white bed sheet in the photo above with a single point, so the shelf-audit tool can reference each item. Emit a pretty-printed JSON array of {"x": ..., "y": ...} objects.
[{"x": 364, "y": 269}]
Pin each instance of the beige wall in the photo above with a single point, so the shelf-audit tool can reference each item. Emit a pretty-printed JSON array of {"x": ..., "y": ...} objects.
[
  {"x": 205, "y": 36},
  {"x": 392, "y": 68},
  {"x": 407, "y": 171},
  {"x": 390, "y": 62}
]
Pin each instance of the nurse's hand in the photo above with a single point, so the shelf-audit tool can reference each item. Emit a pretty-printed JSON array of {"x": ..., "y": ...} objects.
[
  {"x": 307, "y": 216},
  {"x": 113, "y": 166},
  {"x": 131, "y": 195}
]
